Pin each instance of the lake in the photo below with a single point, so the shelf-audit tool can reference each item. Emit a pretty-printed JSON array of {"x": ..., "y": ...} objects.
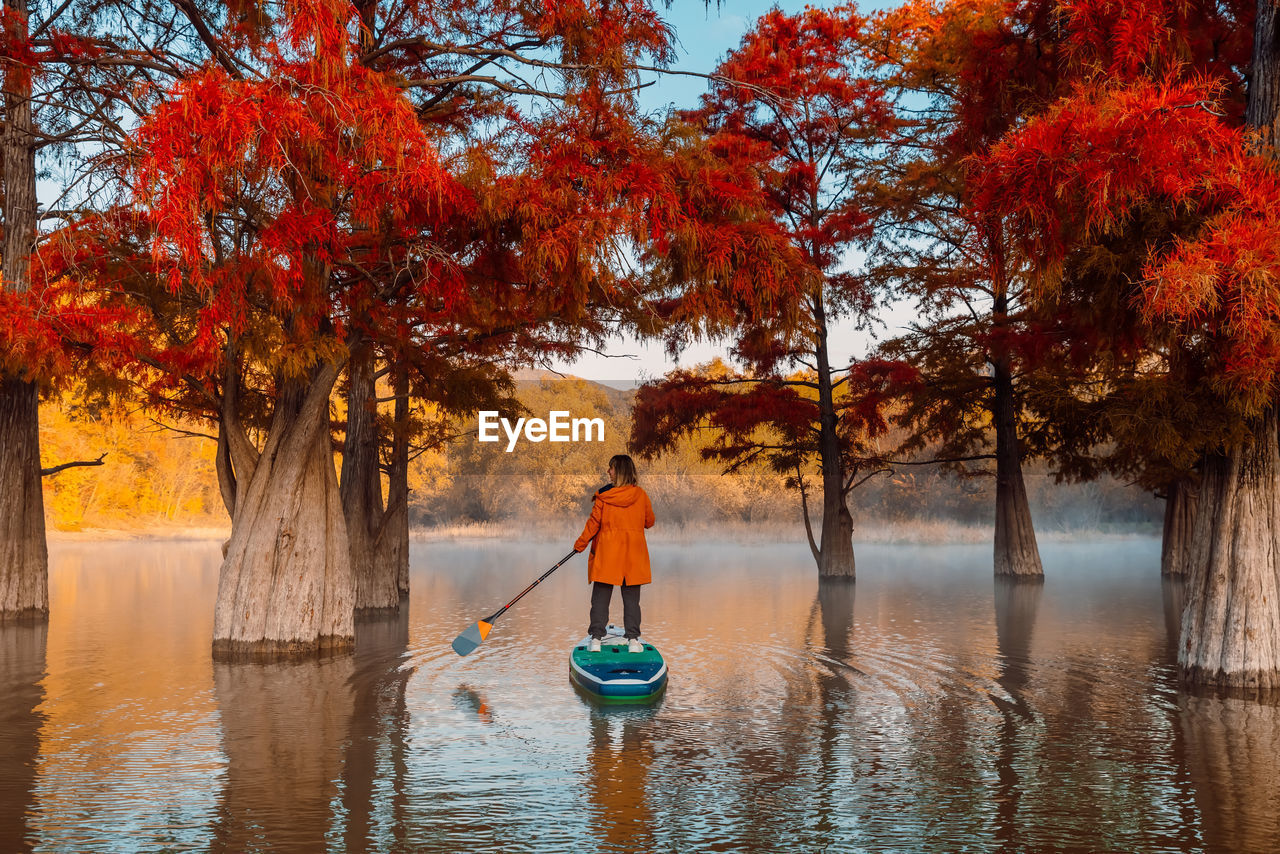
[{"x": 925, "y": 708}]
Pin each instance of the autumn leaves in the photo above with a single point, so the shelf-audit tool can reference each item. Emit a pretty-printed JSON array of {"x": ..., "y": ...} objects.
[{"x": 401, "y": 201}]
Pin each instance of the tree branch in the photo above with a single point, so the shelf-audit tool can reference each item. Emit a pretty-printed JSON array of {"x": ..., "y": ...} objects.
[
  {"x": 55, "y": 469},
  {"x": 804, "y": 509}
]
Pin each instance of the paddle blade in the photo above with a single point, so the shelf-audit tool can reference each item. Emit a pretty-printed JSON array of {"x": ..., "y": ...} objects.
[{"x": 466, "y": 643}]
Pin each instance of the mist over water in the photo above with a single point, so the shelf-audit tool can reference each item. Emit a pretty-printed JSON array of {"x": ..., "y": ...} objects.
[{"x": 926, "y": 708}]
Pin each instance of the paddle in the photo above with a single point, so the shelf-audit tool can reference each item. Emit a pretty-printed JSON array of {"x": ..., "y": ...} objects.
[{"x": 466, "y": 643}]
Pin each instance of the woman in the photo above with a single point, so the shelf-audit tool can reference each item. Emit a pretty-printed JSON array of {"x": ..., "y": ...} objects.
[{"x": 619, "y": 553}]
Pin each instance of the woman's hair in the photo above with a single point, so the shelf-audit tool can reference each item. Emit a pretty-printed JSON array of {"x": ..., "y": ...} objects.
[{"x": 624, "y": 470}]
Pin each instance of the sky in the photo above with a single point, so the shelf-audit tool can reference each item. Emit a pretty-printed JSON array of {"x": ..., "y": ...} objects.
[{"x": 704, "y": 35}]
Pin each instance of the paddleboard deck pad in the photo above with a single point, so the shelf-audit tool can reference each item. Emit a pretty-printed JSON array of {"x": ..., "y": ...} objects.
[{"x": 615, "y": 675}]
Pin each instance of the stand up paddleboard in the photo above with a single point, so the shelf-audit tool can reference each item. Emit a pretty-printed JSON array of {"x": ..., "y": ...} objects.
[{"x": 614, "y": 675}]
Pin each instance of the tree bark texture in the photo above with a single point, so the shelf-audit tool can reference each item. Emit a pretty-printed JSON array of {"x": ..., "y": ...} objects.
[
  {"x": 286, "y": 585},
  {"x": 377, "y": 581},
  {"x": 24, "y": 554},
  {"x": 1231, "y": 626},
  {"x": 1179, "y": 528},
  {"x": 1262, "y": 109},
  {"x": 1016, "y": 552},
  {"x": 24, "y": 557},
  {"x": 396, "y": 526},
  {"x": 835, "y": 550}
]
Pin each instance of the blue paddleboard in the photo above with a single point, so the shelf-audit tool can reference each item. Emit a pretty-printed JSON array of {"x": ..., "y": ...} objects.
[{"x": 615, "y": 675}]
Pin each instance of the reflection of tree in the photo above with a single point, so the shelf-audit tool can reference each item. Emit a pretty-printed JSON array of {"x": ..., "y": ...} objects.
[
  {"x": 618, "y": 764},
  {"x": 22, "y": 669},
  {"x": 1017, "y": 602},
  {"x": 283, "y": 729},
  {"x": 1233, "y": 760},
  {"x": 835, "y": 694},
  {"x": 376, "y": 755}
]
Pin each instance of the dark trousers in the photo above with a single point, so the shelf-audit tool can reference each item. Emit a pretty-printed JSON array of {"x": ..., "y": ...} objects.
[{"x": 601, "y": 593}]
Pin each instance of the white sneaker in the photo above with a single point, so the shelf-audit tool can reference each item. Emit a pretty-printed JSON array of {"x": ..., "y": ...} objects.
[
  {"x": 635, "y": 645},
  {"x": 593, "y": 645}
]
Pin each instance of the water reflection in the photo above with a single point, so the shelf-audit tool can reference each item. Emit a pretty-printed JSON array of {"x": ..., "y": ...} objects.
[
  {"x": 921, "y": 709},
  {"x": 1017, "y": 602},
  {"x": 1233, "y": 760},
  {"x": 835, "y": 698},
  {"x": 336, "y": 730},
  {"x": 283, "y": 729},
  {"x": 618, "y": 759},
  {"x": 376, "y": 761},
  {"x": 22, "y": 669}
]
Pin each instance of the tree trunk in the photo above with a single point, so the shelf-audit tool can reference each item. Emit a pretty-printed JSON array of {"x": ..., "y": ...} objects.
[
  {"x": 1231, "y": 626},
  {"x": 1016, "y": 552},
  {"x": 1173, "y": 593},
  {"x": 286, "y": 585},
  {"x": 835, "y": 551},
  {"x": 1262, "y": 109},
  {"x": 361, "y": 489},
  {"x": 394, "y": 543},
  {"x": 24, "y": 557},
  {"x": 1179, "y": 527}
]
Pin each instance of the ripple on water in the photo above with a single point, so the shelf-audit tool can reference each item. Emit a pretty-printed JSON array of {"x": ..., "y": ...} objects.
[{"x": 920, "y": 710}]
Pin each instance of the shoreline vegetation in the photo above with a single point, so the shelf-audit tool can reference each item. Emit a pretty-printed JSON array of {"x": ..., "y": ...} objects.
[
  {"x": 158, "y": 482},
  {"x": 871, "y": 533}
]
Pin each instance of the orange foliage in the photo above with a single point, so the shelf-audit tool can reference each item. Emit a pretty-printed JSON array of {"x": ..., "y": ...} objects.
[{"x": 151, "y": 478}]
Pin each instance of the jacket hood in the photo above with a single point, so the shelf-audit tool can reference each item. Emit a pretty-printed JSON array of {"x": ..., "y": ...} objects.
[{"x": 619, "y": 496}]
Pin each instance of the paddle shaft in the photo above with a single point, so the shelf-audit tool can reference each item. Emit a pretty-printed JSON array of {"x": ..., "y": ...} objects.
[{"x": 539, "y": 580}]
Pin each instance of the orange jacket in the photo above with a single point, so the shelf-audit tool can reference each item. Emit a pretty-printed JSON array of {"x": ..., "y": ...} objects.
[{"x": 619, "y": 554}]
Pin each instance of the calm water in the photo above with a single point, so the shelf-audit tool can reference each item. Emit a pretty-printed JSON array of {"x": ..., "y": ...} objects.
[{"x": 926, "y": 710}]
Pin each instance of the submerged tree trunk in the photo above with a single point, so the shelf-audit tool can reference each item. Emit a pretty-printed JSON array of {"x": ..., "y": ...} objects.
[
  {"x": 1231, "y": 626},
  {"x": 286, "y": 585},
  {"x": 1016, "y": 552},
  {"x": 24, "y": 557},
  {"x": 1179, "y": 528},
  {"x": 377, "y": 587},
  {"x": 835, "y": 551}
]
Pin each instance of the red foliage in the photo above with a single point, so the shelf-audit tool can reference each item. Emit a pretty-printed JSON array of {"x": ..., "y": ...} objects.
[
  {"x": 1096, "y": 160},
  {"x": 791, "y": 121},
  {"x": 794, "y": 103},
  {"x": 58, "y": 331},
  {"x": 265, "y": 196}
]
